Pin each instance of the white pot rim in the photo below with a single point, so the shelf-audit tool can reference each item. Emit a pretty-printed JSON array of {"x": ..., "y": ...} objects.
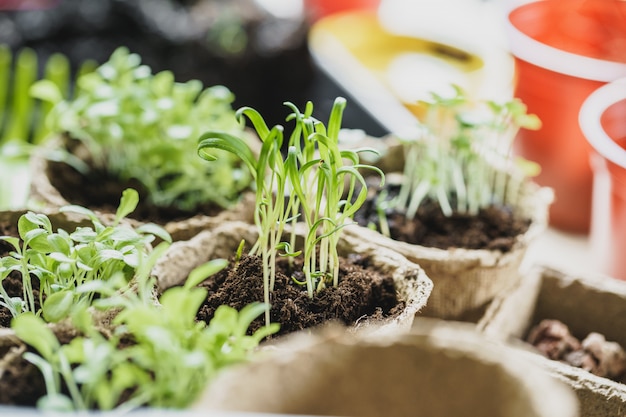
[
  {"x": 589, "y": 119},
  {"x": 542, "y": 55}
]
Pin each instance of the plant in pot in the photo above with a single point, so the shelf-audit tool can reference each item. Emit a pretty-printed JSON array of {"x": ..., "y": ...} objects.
[
  {"x": 300, "y": 262},
  {"x": 126, "y": 127},
  {"x": 89, "y": 332},
  {"x": 462, "y": 208}
]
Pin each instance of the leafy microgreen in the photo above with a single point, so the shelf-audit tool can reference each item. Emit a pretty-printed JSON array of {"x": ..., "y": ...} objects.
[
  {"x": 143, "y": 126},
  {"x": 63, "y": 262},
  {"x": 462, "y": 156},
  {"x": 168, "y": 358},
  {"x": 309, "y": 184}
]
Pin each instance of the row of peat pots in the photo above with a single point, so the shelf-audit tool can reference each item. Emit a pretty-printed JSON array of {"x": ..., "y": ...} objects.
[{"x": 407, "y": 352}]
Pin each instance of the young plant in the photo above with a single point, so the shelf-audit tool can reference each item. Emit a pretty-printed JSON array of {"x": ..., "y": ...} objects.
[
  {"x": 463, "y": 157},
  {"x": 62, "y": 261},
  {"x": 158, "y": 355},
  {"x": 311, "y": 180},
  {"x": 22, "y": 116},
  {"x": 143, "y": 126}
]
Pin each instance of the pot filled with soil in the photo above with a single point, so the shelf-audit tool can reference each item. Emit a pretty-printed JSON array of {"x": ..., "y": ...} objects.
[
  {"x": 421, "y": 373},
  {"x": 463, "y": 208},
  {"x": 126, "y": 127},
  {"x": 377, "y": 288},
  {"x": 297, "y": 242},
  {"x": 572, "y": 325}
]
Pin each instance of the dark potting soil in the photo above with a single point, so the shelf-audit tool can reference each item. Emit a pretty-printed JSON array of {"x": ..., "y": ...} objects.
[
  {"x": 98, "y": 190},
  {"x": 21, "y": 383},
  {"x": 492, "y": 228},
  {"x": 362, "y": 293}
]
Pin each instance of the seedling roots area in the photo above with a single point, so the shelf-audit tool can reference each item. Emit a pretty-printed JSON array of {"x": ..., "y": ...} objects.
[
  {"x": 100, "y": 191},
  {"x": 362, "y": 293},
  {"x": 492, "y": 228}
]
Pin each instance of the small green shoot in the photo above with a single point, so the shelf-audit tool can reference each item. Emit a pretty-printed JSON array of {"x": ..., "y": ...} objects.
[
  {"x": 158, "y": 355},
  {"x": 309, "y": 185},
  {"x": 65, "y": 261},
  {"x": 143, "y": 126},
  {"x": 463, "y": 157}
]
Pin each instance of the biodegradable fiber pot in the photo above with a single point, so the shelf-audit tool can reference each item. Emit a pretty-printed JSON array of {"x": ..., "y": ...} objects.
[
  {"x": 440, "y": 369},
  {"x": 466, "y": 280},
  {"x": 583, "y": 303},
  {"x": 45, "y": 191},
  {"x": 412, "y": 284}
]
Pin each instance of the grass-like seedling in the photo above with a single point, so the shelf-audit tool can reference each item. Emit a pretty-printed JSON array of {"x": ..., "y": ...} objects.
[
  {"x": 70, "y": 265},
  {"x": 143, "y": 126},
  {"x": 22, "y": 115},
  {"x": 308, "y": 184},
  {"x": 463, "y": 156},
  {"x": 158, "y": 355}
]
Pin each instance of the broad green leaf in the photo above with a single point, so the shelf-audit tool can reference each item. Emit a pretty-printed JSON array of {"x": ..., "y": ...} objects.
[
  {"x": 202, "y": 272},
  {"x": 33, "y": 331},
  {"x": 13, "y": 241},
  {"x": 80, "y": 210},
  {"x": 128, "y": 204},
  {"x": 58, "y": 306},
  {"x": 59, "y": 242},
  {"x": 37, "y": 240},
  {"x": 46, "y": 90},
  {"x": 156, "y": 230}
]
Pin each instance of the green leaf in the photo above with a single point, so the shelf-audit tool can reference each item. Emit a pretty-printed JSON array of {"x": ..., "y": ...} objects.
[
  {"x": 128, "y": 204},
  {"x": 46, "y": 90},
  {"x": 34, "y": 332},
  {"x": 59, "y": 243},
  {"x": 37, "y": 240},
  {"x": 202, "y": 272},
  {"x": 57, "y": 306},
  {"x": 80, "y": 210},
  {"x": 13, "y": 241},
  {"x": 155, "y": 230},
  {"x": 227, "y": 142}
]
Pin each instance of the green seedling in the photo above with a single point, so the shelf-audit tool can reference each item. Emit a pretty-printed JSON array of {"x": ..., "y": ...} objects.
[
  {"x": 64, "y": 262},
  {"x": 158, "y": 354},
  {"x": 308, "y": 185},
  {"x": 462, "y": 157},
  {"x": 143, "y": 126}
]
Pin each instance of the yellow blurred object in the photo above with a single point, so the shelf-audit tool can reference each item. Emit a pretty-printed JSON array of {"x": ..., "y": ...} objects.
[{"x": 389, "y": 71}]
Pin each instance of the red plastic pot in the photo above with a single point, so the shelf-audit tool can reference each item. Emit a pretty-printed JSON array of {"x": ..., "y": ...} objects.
[
  {"x": 603, "y": 122},
  {"x": 316, "y": 9},
  {"x": 564, "y": 50}
]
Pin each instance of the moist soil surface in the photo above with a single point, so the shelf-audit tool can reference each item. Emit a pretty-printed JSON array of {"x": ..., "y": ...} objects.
[
  {"x": 492, "y": 228},
  {"x": 98, "y": 190},
  {"x": 362, "y": 293}
]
